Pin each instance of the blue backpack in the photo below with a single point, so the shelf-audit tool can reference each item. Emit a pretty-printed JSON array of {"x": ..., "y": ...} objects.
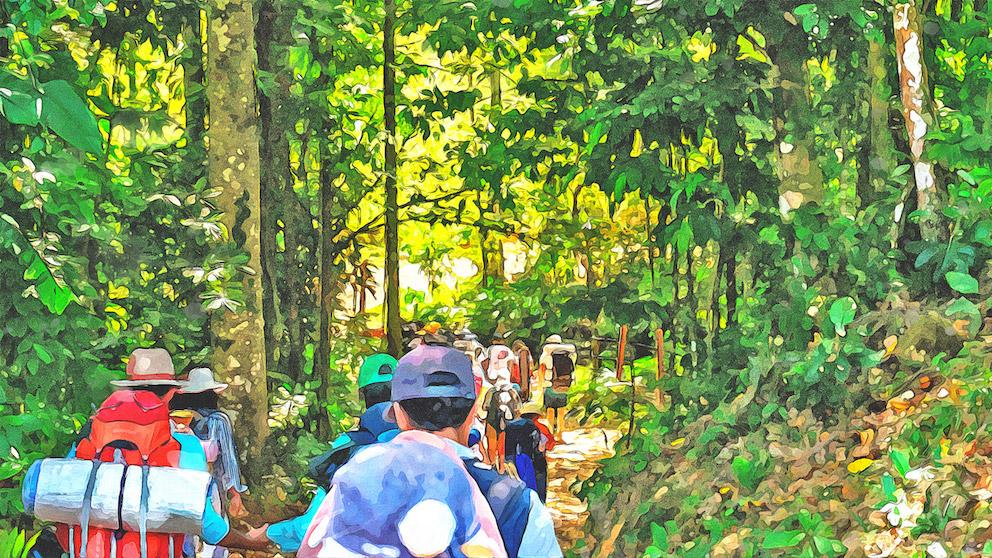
[{"x": 509, "y": 500}]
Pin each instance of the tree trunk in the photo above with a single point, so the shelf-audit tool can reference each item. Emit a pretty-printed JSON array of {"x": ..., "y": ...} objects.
[
  {"x": 274, "y": 154},
  {"x": 675, "y": 273},
  {"x": 648, "y": 237},
  {"x": 363, "y": 281},
  {"x": 730, "y": 269},
  {"x": 917, "y": 112},
  {"x": 883, "y": 147},
  {"x": 233, "y": 166},
  {"x": 322, "y": 358},
  {"x": 690, "y": 277},
  {"x": 800, "y": 177},
  {"x": 394, "y": 337}
]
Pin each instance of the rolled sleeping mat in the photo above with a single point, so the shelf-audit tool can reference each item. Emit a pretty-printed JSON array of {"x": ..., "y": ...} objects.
[{"x": 55, "y": 490}]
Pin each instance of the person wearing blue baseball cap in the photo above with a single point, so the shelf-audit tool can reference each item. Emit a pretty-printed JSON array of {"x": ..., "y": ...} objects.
[
  {"x": 376, "y": 495},
  {"x": 374, "y": 384}
]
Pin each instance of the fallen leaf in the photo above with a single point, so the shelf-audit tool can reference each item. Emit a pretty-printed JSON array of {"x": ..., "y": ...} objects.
[{"x": 859, "y": 465}]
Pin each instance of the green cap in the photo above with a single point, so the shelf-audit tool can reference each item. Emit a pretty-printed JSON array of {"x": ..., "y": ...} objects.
[{"x": 376, "y": 369}]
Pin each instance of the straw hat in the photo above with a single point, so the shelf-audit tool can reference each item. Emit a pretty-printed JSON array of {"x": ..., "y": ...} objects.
[
  {"x": 531, "y": 408},
  {"x": 201, "y": 380},
  {"x": 149, "y": 367}
]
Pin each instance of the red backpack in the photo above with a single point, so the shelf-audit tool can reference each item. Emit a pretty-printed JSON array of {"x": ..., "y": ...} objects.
[{"x": 130, "y": 427}]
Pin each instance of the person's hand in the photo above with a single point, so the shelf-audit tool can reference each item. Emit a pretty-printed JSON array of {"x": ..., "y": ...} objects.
[
  {"x": 236, "y": 507},
  {"x": 511, "y": 469},
  {"x": 257, "y": 534}
]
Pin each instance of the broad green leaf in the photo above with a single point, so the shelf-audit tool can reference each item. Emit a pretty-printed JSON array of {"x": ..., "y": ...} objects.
[
  {"x": 842, "y": 313},
  {"x": 659, "y": 537},
  {"x": 782, "y": 539},
  {"x": 899, "y": 461},
  {"x": 18, "y": 107},
  {"x": 888, "y": 487},
  {"x": 68, "y": 116},
  {"x": 961, "y": 282},
  {"x": 43, "y": 354}
]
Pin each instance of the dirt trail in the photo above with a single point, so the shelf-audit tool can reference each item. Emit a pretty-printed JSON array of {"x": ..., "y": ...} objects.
[{"x": 575, "y": 459}]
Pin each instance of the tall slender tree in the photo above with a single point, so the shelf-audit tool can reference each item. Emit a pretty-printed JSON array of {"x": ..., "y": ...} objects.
[
  {"x": 917, "y": 111},
  {"x": 233, "y": 166},
  {"x": 394, "y": 340}
]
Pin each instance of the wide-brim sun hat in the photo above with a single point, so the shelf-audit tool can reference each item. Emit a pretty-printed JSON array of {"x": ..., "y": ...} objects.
[
  {"x": 531, "y": 408},
  {"x": 554, "y": 338},
  {"x": 149, "y": 367},
  {"x": 201, "y": 380}
]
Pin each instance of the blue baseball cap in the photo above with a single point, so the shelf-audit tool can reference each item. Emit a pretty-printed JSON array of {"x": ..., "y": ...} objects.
[{"x": 433, "y": 371}]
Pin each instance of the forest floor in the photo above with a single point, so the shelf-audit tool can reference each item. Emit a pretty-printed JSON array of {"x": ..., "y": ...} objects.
[{"x": 575, "y": 459}]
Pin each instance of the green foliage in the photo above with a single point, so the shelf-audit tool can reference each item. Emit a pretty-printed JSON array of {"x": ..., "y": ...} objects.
[{"x": 15, "y": 543}]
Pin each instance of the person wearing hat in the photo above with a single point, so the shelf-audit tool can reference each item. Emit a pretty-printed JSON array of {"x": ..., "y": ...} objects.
[
  {"x": 391, "y": 499},
  {"x": 152, "y": 370},
  {"x": 374, "y": 377},
  {"x": 526, "y": 444},
  {"x": 557, "y": 367},
  {"x": 212, "y": 426}
]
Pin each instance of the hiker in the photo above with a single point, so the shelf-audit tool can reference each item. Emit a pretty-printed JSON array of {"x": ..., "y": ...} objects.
[
  {"x": 374, "y": 378},
  {"x": 132, "y": 428},
  {"x": 527, "y": 442},
  {"x": 387, "y": 502},
  {"x": 523, "y": 371},
  {"x": 212, "y": 426},
  {"x": 468, "y": 343},
  {"x": 557, "y": 368},
  {"x": 500, "y": 357},
  {"x": 432, "y": 334},
  {"x": 152, "y": 371},
  {"x": 501, "y": 405},
  {"x": 200, "y": 397}
]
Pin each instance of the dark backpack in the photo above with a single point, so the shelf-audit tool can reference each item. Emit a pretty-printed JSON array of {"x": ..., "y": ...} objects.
[
  {"x": 563, "y": 369},
  {"x": 371, "y": 429},
  {"x": 323, "y": 467},
  {"x": 509, "y": 500}
]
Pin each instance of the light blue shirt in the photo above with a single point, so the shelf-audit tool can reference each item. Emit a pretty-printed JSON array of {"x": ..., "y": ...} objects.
[
  {"x": 539, "y": 540},
  {"x": 289, "y": 534}
]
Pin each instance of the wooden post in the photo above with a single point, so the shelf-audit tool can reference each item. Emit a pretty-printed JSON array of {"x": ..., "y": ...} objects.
[
  {"x": 596, "y": 362},
  {"x": 621, "y": 347},
  {"x": 659, "y": 344},
  {"x": 523, "y": 363},
  {"x": 633, "y": 394}
]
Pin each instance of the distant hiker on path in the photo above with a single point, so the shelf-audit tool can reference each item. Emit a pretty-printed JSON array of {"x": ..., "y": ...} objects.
[
  {"x": 523, "y": 369},
  {"x": 501, "y": 405},
  {"x": 527, "y": 443},
  {"x": 557, "y": 368}
]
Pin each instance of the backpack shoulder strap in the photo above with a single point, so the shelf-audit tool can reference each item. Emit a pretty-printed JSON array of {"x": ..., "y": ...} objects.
[{"x": 509, "y": 499}]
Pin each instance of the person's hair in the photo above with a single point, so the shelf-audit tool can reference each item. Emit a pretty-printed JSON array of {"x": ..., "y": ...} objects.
[
  {"x": 379, "y": 392},
  {"x": 159, "y": 391},
  {"x": 437, "y": 413},
  {"x": 203, "y": 400}
]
